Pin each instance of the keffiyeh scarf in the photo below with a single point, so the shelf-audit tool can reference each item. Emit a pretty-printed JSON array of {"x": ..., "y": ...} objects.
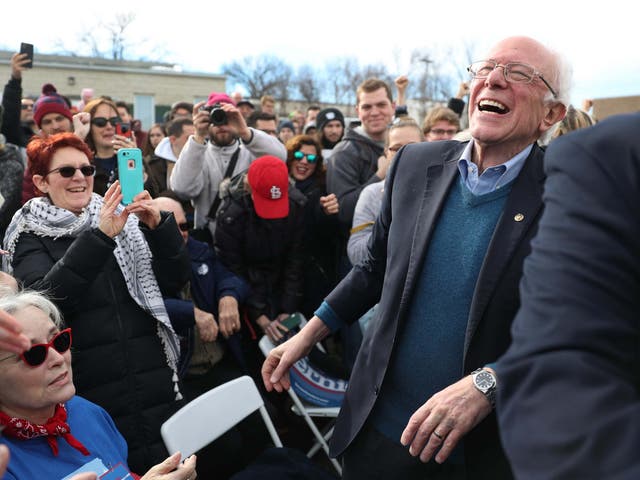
[{"x": 41, "y": 217}]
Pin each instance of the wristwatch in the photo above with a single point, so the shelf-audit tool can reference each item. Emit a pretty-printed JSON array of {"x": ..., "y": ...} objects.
[{"x": 485, "y": 381}]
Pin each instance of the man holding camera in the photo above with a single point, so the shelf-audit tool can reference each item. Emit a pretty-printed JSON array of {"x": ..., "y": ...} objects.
[{"x": 222, "y": 146}]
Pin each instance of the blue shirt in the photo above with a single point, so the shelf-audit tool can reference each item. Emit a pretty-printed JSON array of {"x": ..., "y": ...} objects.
[
  {"x": 492, "y": 178},
  {"x": 91, "y": 425}
]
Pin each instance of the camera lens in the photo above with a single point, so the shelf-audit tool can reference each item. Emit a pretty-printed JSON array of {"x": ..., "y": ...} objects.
[{"x": 218, "y": 116}]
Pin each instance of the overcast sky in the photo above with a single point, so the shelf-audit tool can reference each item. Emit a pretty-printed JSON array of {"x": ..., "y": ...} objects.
[{"x": 599, "y": 39}]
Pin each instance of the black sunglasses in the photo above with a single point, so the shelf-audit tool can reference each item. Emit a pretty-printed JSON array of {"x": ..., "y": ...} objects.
[
  {"x": 186, "y": 226},
  {"x": 68, "y": 171},
  {"x": 102, "y": 121},
  {"x": 37, "y": 354},
  {"x": 311, "y": 158}
]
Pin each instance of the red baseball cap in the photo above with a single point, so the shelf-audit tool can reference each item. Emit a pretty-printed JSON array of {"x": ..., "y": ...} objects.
[{"x": 269, "y": 181}]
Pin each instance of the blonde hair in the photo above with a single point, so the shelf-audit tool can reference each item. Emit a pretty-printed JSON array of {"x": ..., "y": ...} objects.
[{"x": 575, "y": 119}]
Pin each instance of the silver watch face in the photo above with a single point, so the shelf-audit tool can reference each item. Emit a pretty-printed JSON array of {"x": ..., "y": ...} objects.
[{"x": 484, "y": 381}]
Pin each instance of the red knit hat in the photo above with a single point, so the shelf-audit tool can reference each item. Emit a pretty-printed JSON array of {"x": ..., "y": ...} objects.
[
  {"x": 50, "y": 102},
  {"x": 269, "y": 181},
  {"x": 216, "y": 97}
]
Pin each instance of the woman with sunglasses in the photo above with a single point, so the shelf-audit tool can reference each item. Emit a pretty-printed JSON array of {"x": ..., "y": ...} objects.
[
  {"x": 104, "y": 143},
  {"x": 51, "y": 432},
  {"x": 320, "y": 249},
  {"x": 108, "y": 271}
]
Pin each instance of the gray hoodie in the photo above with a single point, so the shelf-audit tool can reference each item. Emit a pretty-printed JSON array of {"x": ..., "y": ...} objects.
[{"x": 200, "y": 169}]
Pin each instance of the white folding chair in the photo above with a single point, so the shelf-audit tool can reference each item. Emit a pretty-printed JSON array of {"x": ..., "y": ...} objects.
[
  {"x": 207, "y": 417},
  {"x": 307, "y": 411}
]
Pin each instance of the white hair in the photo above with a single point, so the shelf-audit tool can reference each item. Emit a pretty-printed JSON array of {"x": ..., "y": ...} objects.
[
  {"x": 14, "y": 302},
  {"x": 561, "y": 80}
]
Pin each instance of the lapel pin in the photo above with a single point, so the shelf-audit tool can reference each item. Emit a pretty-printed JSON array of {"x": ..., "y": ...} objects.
[{"x": 518, "y": 217}]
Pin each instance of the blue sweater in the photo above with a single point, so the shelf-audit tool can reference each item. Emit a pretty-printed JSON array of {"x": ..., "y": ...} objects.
[
  {"x": 91, "y": 425},
  {"x": 428, "y": 354}
]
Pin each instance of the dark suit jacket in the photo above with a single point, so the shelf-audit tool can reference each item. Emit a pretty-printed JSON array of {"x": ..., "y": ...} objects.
[
  {"x": 418, "y": 184},
  {"x": 569, "y": 400}
]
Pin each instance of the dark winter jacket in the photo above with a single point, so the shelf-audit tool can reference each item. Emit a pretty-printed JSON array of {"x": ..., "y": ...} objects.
[
  {"x": 118, "y": 359},
  {"x": 15, "y": 132},
  {"x": 320, "y": 247},
  {"x": 267, "y": 253},
  {"x": 11, "y": 169},
  {"x": 209, "y": 282},
  {"x": 352, "y": 167}
]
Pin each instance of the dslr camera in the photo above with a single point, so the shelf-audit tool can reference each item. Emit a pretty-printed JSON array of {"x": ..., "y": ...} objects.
[{"x": 217, "y": 116}]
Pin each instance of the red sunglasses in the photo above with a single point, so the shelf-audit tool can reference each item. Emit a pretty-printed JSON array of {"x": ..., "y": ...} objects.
[{"x": 37, "y": 354}]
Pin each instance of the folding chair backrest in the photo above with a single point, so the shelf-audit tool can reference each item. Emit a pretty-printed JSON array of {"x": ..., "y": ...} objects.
[{"x": 210, "y": 415}]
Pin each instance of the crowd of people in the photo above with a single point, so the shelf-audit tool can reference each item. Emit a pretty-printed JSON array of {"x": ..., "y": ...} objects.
[{"x": 403, "y": 241}]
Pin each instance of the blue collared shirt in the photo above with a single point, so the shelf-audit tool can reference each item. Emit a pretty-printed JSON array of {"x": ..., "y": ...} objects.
[{"x": 492, "y": 178}]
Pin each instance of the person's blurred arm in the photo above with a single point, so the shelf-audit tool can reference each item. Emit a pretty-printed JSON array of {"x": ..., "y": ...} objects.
[
  {"x": 402, "y": 82},
  {"x": 12, "y": 102},
  {"x": 457, "y": 103},
  {"x": 364, "y": 218},
  {"x": 190, "y": 175}
]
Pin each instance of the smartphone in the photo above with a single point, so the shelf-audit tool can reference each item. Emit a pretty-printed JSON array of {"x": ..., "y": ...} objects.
[
  {"x": 124, "y": 129},
  {"x": 292, "y": 320},
  {"x": 130, "y": 173},
  {"x": 28, "y": 49}
]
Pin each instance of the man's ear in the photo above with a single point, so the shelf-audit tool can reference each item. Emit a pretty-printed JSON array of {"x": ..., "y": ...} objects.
[
  {"x": 41, "y": 183},
  {"x": 555, "y": 114}
]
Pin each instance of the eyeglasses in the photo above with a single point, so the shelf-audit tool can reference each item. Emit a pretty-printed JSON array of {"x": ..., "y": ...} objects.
[
  {"x": 26, "y": 106},
  {"x": 102, "y": 121},
  {"x": 68, "y": 171},
  {"x": 513, "y": 72},
  {"x": 37, "y": 354},
  {"x": 441, "y": 131},
  {"x": 311, "y": 158},
  {"x": 185, "y": 227}
]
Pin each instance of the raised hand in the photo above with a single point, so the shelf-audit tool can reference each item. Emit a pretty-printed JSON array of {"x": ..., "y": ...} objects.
[
  {"x": 111, "y": 223},
  {"x": 145, "y": 209}
]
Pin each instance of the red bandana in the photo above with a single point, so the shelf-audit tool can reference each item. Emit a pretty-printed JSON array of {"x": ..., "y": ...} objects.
[{"x": 55, "y": 426}]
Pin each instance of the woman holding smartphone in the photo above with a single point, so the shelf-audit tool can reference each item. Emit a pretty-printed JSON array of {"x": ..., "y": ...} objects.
[{"x": 108, "y": 271}]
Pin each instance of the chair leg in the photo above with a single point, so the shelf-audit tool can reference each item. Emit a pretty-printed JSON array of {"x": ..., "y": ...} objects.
[
  {"x": 319, "y": 437},
  {"x": 317, "y": 446}
]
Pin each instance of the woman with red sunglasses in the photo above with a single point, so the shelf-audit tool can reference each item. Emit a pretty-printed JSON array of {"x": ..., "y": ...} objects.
[
  {"x": 50, "y": 432},
  {"x": 108, "y": 271}
]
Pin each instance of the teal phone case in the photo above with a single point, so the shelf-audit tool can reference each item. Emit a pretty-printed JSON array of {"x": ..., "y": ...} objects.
[{"x": 130, "y": 173}]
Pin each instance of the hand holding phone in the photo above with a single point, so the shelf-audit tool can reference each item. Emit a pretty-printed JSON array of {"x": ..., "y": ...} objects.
[
  {"x": 28, "y": 49},
  {"x": 130, "y": 173},
  {"x": 124, "y": 129}
]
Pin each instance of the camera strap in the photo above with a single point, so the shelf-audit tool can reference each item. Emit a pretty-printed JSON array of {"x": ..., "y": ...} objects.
[{"x": 227, "y": 174}]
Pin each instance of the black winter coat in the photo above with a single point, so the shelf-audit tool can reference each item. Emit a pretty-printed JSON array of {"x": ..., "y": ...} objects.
[
  {"x": 118, "y": 359},
  {"x": 267, "y": 253},
  {"x": 320, "y": 246}
]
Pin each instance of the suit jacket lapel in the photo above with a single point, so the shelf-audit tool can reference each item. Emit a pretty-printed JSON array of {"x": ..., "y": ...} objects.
[
  {"x": 521, "y": 210},
  {"x": 439, "y": 177}
]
